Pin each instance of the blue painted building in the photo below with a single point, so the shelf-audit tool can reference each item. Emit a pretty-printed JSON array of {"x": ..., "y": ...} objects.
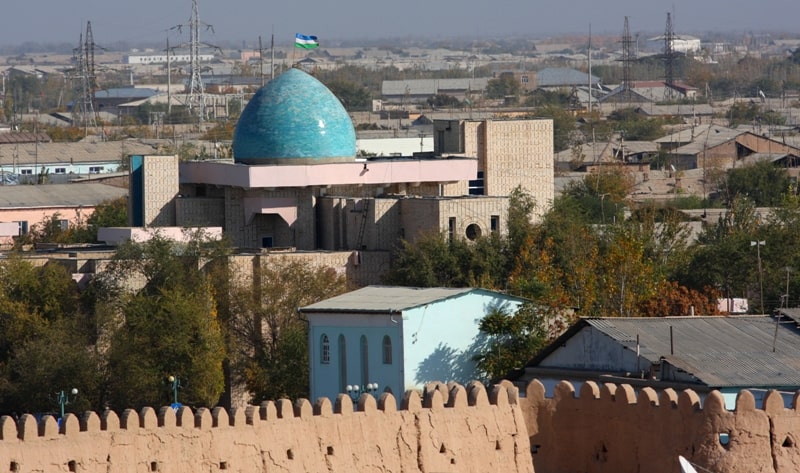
[{"x": 397, "y": 338}]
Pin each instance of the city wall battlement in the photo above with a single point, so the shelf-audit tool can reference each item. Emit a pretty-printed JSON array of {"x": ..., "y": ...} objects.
[
  {"x": 612, "y": 428},
  {"x": 450, "y": 428}
]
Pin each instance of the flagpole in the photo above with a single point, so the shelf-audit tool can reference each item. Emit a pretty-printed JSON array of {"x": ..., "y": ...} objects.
[
  {"x": 294, "y": 49},
  {"x": 272, "y": 57}
]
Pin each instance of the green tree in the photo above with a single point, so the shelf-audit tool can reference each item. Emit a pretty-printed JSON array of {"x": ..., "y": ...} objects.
[
  {"x": 165, "y": 326},
  {"x": 39, "y": 304},
  {"x": 352, "y": 95},
  {"x": 763, "y": 182},
  {"x": 506, "y": 85},
  {"x": 513, "y": 339},
  {"x": 268, "y": 339},
  {"x": 564, "y": 125}
]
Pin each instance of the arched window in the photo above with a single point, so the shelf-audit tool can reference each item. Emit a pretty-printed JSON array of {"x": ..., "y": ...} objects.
[
  {"x": 342, "y": 364},
  {"x": 387, "y": 350},
  {"x": 364, "y": 361},
  {"x": 324, "y": 350}
]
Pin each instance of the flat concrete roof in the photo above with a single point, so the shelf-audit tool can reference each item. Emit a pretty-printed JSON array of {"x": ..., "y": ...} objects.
[{"x": 367, "y": 172}]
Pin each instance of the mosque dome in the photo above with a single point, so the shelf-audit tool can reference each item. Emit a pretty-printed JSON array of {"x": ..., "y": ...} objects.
[{"x": 294, "y": 119}]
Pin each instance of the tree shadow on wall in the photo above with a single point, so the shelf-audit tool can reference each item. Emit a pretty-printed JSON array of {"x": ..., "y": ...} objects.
[{"x": 446, "y": 364}]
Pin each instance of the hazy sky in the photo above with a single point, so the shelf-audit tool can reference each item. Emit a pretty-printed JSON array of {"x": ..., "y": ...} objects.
[{"x": 138, "y": 21}]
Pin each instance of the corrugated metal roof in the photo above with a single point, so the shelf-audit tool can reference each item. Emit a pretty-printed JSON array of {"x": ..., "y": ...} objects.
[
  {"x": 125, "y": 93},
  {"x": 677, "y": 110},
  {"x": 562, "y": 77},
  {"x": 718, "y": 351},
  {"x": 69, "y": 153},
  {"x": 386, "y": 299},
  {"x": 431, "y": 86},
  {"x": 24, "y": 137},
  {"x": 58, "y": 195},
  {"x": 707, "y": 141}
]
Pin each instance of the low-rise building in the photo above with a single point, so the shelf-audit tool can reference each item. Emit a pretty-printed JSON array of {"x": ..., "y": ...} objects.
[{"x": 391, "y": 339}]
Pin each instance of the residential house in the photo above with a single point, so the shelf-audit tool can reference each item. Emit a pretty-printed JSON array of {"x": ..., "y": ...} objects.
[
  {"x": 397, "y": 338},
  {"x": 712, "y": 146},
  {"x": 420, "y": 90},
  {"x": 702, "y": 353},
  {"x": 61, "y": 161},
  {"x": 21, "y": 207}
]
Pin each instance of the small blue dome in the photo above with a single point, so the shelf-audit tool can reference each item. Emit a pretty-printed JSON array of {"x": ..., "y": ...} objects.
[{"x": 294, "y": 119}]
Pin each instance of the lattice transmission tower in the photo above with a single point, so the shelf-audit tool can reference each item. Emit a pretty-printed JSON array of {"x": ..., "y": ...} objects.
[
  {"x": 195, "y": 97},
  {"x": 83, "y": 111},
  {"x": 628, "y": 56}
]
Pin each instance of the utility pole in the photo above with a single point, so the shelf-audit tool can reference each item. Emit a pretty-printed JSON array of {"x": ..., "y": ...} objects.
[
  {"x": 669, "y": 58},
  {"x": 169, "y": 82}
]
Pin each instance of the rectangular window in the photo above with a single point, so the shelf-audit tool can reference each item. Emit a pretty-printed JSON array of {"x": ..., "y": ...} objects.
[
  {"x": 23, "y": 227},
  {"x": 495, "y": 223},
  {"x": 60, "y": 170},
  {"x": 95, "y": 169},
  {"x": 387, "y": 350},
  {"x": 63, "y": 225},
  {"x": 266, "y": 242},
  {"x": 477, "y": 186},
  {"x": 451, "y": 228},
  {"x": 26, "y": 172}
]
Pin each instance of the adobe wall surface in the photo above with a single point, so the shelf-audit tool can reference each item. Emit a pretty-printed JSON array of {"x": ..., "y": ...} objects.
[
  {"x": 454, "y": 429},
  {"x": 608, "y": 428}
]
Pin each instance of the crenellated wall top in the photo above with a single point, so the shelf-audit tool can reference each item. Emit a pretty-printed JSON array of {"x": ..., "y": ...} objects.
[{"x": 435, "y": 396}]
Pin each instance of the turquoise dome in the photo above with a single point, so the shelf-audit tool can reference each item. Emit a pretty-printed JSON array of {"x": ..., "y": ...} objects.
[{"x": 294, "y": 119}]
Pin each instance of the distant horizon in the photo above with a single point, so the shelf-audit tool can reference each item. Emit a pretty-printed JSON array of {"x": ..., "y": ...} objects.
[
  {"x": 122, "y": 46},
  {"x": 237, "y": 21}
]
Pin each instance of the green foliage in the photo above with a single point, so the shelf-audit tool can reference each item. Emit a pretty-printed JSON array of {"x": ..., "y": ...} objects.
[
  {"x": 443, "y": 101},
  {"x": 749, "y": 113},
  {"x": 636, "y": 127},
  {"x": 601, "y": 194},
  {"x": 513, "y": 339},
  {"x": 59, "y": 357},
  {"x": 268, "y": 339},
  {"x": 763, "y": 182},
  {"x": 169, "y": 325},
  {"x": 43, "y": 334},
  {"x": 436, "y": 260},
  {"x": 563, "y": 125},
  {"x": 541, "y": 97},
  {"x": 173, "y": 332},
  {"x": 352, "y": 95},
  {"x": 506, "y": 85}
]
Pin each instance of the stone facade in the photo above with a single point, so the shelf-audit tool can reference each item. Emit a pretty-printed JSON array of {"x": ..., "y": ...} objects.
[
  {"x": 609, "y": 428},
  {"x": 599, "y": 428},
  {"x": 510, "y": 153},
  {"x": 377, "y": 224},
  {"x": 450, "y": 429},
  {"x": 159, "y": 187}
]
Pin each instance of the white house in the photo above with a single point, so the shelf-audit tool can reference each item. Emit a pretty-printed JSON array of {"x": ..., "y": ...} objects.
[{"x": 388, "y": 338}]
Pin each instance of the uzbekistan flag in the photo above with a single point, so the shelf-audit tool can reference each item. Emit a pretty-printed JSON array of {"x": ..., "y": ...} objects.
[{"x": 305, "y": 42}]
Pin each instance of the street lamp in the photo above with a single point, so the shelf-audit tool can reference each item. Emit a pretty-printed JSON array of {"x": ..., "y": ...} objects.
[
  {"x": 355, "y": 390},
  {"x": 64, "y": 398},
  {"x": 758, "y": 245},
  {"x": 175, "y": 384}
]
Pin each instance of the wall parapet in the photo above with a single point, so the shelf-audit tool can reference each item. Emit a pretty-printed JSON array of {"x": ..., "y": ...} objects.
[
  {"x": 609, "y": 427},
  {"x": 434, "y": 429}
]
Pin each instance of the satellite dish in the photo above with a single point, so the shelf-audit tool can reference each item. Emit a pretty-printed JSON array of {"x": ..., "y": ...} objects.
[{"x": 686, "y": 467}]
